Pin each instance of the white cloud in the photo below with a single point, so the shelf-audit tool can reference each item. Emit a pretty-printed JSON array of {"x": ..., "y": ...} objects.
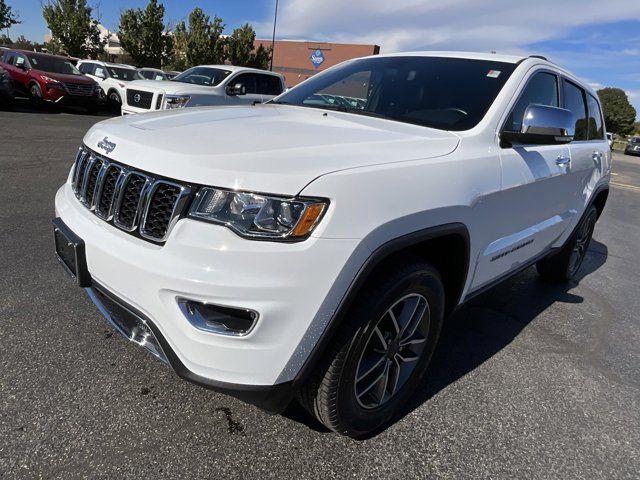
[{"x": 501, "y": 25}]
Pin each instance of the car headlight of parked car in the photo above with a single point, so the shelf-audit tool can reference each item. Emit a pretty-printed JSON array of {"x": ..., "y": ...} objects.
[
  {"x": 259, "y": 216},
  {"x": 176, "y": 101}
]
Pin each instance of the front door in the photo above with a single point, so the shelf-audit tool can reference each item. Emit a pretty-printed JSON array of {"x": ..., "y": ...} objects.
[
  {"x": 249, "y": 82},
  {"x": 532, "y": 210}
]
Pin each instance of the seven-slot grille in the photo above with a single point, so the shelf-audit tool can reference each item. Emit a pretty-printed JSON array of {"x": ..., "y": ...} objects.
[
  {"x": 85, "y": 90},
  {"x": 139, "y": 98},
  {"x": 131, "y": 200}
]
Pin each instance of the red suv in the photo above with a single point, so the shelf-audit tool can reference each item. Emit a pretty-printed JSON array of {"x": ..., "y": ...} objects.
[{"x": 50, "y": 78}]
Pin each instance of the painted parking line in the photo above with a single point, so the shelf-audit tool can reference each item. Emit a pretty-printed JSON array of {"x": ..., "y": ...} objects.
[{"x": 624, "y": 185}]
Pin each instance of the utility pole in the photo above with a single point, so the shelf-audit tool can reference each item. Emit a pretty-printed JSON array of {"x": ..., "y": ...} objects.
[{"x": 273, "y": 38}]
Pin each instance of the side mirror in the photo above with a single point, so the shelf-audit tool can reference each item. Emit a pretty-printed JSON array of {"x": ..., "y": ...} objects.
[
  {"x": 237, "y": 89},
  {"x": 542, "y": 125}
]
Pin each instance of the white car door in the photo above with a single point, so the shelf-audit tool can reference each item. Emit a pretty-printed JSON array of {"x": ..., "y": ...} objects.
[
  {"x": 251, "y": 95},
  {"x": 533, "y": 208},
  {"x": 590, "y": 153}
]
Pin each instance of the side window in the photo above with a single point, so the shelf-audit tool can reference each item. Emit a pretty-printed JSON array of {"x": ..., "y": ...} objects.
[
  {"x": 246, "y": 79},
  {"x": 574, "y": 102},
  {"x": 9, "y": 58},
  {"x": 596, "y": 130},
  {"x": 147, "y": 74},
  {"x": 268, "y": 85},
  {"x": 542, "y": 89},
  {"x": 86, "y": 68},
  {"x": 20, "y": 61},
  {"x": 100, "y": 72}
]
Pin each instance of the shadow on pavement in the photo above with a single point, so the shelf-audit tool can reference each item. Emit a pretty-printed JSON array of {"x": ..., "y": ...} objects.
[
  {"x": 483, "y": 327},
  {"x": 23, "y": 105}
]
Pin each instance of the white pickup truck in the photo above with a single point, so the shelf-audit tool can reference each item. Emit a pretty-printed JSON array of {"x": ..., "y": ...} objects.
[
  {"x": 312, "y": 247},
  {"x": 204, "y": 85}
]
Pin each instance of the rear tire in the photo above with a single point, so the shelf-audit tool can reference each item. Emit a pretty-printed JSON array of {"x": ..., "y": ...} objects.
[
  {"x": 379, "y": 336},
  {"x": 564, "y": 265}
]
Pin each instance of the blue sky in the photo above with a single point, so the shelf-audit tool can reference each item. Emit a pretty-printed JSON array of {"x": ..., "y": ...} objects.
[{"x": 594, "y": 39}]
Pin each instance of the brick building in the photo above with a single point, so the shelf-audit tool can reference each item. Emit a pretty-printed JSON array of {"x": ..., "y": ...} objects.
[{"x": 298, "y": 60}]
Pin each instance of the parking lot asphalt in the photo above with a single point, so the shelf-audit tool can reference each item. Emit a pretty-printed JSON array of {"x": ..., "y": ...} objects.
[{"x": 529, "y": 381}]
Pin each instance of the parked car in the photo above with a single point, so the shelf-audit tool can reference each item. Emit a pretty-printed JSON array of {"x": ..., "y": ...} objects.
[
  {"x": 381, "y": 219},
  {"x": 171, "y": 74},
  {"x": 153, "y": 74},
  {"x": 610, "y": 139},
  {"x": 633, "y": 146},
  {"x": 204, "y": 85},
  {"x": 50, "y": 79},
  {"x": 113, "y": 78},
  {"x": 6, "y": 89}
]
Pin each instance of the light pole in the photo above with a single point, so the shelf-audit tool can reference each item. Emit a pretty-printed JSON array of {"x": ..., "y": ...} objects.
[{"x": 273, "y": 38}]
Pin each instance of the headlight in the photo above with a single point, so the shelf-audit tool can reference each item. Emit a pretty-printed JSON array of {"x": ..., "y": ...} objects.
[
  {"x": 176, "y": 101},
  {"x": 259, "y": 216},
  {"x": 48, "y": 79}
]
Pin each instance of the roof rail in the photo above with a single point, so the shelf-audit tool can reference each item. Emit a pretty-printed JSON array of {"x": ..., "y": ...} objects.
[{"x": 541, "y": 57}]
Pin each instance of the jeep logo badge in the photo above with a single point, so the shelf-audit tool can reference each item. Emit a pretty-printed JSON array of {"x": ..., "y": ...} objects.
[
  {"x": 136, "y": 98},
  {"x": 106, "y": 145}
]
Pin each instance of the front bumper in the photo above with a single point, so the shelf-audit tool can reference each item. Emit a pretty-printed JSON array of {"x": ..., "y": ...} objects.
[
  {"x": 285, "y": 282},
  {"x": 137, "y": 328}
]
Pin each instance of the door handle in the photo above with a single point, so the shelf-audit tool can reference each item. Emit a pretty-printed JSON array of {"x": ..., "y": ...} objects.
[{"x": 563, "y": 160}]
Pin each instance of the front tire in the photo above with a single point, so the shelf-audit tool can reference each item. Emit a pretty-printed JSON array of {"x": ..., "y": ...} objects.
[
  {"x": 35, "y": 95},
  {"x": 114, "y": 101},
  {"x": 564, "y": 265},
  {"x": 380, "y": 353}
]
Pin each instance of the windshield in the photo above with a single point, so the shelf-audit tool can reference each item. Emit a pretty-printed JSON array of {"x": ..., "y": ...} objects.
[
  {"x": 124, "y": 74},
  {"x": 203, "y": 76},
  {"x": 444, "y": 93},
  {"x": 53, "y": 65}
]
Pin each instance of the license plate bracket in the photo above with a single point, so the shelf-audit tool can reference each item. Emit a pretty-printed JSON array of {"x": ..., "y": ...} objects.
[{"x": 70, "y": 251}]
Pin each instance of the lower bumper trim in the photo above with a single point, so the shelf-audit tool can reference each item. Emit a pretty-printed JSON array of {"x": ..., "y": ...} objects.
[{"x": 137, "y": 328}]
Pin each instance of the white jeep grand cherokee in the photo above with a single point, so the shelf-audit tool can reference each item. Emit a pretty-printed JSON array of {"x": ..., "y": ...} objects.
[
  {"x": 203, "y": 86},
  {"x": 311, "y": 248}
]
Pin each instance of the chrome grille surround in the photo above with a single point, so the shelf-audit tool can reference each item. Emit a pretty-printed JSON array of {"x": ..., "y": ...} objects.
[{"x": 131, "y": 200}]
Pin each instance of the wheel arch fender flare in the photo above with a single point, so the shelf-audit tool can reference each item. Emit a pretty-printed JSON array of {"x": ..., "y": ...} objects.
[{"x": 386, "y": 251}]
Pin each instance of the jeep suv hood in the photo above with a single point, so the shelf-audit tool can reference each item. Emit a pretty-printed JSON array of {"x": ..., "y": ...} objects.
[{"x": 268, "y": 148}]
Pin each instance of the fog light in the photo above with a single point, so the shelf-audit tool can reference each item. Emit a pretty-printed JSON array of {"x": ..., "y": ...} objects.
[{"x": 217, "y": 319}]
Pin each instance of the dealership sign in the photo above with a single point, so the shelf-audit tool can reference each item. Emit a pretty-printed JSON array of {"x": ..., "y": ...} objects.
[{"x": 317, "y": 58}]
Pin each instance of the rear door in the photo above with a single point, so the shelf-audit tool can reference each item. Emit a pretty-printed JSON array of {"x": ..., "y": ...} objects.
[
  {"x": 531, "y": 210},
  {"x": 20, "y": 72},
  {"x": 590, "y": 155},
  {"x": 268, "y": 86}
]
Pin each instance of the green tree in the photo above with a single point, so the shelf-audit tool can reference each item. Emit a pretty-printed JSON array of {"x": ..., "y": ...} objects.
[
  {"x": 619, "y": 114},
  {"x": 5, "y": 41},
  {"x": 72, "y": 25},
  {"x": 7, "y": 16},
  {"x": 144, "y": 37},
  {"x": 240, "y": 49},
  {"x": 200, "y": 43}
]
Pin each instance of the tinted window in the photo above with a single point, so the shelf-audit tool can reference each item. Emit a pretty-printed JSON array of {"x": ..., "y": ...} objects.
[
  {"x": 596, "y": 130},
  {"x": 148, "y": 74},
  {"x": 445, "y": 93},
  {"x": 9, "y": 57},
  {"x": 20, "y": 60},
  {"x": 246, "y": 79},
  {"x": 268, "y": 85},
  {"x": 203, "y": 76},
  {"x": 125, "y": 74},
  {"x": 86, "y": 68},
  {"x": 542, "y": 89},
  {"x": 574, "y": 101},
  {"x": 53, "y": 65}
]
